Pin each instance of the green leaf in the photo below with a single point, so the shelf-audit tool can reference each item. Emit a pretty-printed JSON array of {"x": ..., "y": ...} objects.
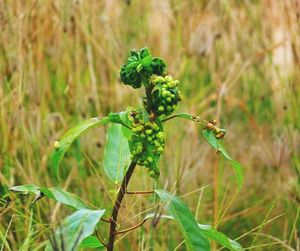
[
  {"x": 64, "y": 197},
  {"x": 91, "y": 242},
  {"x": 54, "y": 193},
  {"x": 209, "y": 232},
  {"x": 116, "y": 153},
  {"x": 75, "y": 228},
  {"x": 186, "y": 221},
  {"x": 68, "y": 138},
  {"x": 215, "y": 143},
  {"x": 220, "y": 238},
  {"x": 26, "y": 189}
]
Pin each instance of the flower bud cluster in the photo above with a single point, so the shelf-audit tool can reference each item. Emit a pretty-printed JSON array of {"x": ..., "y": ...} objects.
[
  {"x": 165, "y": 95},
  {"x": 147, "y": 142},
  {"x": 140, "y": 66}
]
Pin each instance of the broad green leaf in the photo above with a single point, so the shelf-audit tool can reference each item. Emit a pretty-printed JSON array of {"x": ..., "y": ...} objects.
[
  {"x": 64, "y": 197},
  {"x": 68, "y": 138},
  {"x": 220, "y": 238},
  {"x": 215, "y": 143},
  {"x": 26, "y": 189},
  {"x": 209, "y": 232},
  {"x": 186, "y": 221},
  {"x": 74, "y": 229},
  {"x": 116, "y": 153},
  {"x": 91, "y": 242},
  {"x": 54, "y": 193}
]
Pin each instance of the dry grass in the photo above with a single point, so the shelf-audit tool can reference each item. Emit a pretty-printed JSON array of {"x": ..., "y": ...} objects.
[{"x": 238, "y": 61}]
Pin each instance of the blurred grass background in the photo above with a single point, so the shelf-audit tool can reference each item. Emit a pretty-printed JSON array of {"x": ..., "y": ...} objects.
[{"x": 237, "y": 61}]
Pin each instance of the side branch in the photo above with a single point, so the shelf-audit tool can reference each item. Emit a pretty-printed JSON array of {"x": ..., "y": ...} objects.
[
  {"x": 140, "y": 192},
  {"x": 131, "y": 228}
]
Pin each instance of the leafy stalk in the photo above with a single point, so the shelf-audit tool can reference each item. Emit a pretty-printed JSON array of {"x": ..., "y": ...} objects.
[{"x": 117, "y": 205}]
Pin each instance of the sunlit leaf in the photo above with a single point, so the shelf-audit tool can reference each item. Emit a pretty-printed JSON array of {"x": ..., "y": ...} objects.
[
  {"x": 68, "y": 138},
  {"x": 116, "y": 153},
  {"x": 26, "y": 189},
  {"x": 74, "y": 229},
  {"x": 54, "y": 193},
  {"x": 63, "y": 197},
  {"x": 220, "y": 238},
  {"x": 183, "y": 216},
  {"x": 208, "y": 231},
  {"x": 91, "y": 242},
  {"x": 215, "y": 143}
]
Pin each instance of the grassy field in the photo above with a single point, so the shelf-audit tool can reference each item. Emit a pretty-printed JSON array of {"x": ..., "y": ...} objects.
[{"x": 237, "y": 62}]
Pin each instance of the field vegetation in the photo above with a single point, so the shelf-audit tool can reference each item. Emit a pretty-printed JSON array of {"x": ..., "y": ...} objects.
[{"x": 237, "y": 62}]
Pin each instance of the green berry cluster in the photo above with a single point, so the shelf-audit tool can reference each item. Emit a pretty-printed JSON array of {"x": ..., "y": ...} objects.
[
  {"x": 165, "y": 95},
  {"x": 147, "y": 142},
  {"x": 139, "y": 67}
]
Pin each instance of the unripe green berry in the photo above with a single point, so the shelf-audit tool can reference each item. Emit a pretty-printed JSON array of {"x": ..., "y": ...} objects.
[
  {"x": 160, "y": 135},
  {"x": 160, "y": 150},
  {"x": 148, "y": 131},
  {"x": 165, "y": 94},
  {"x": 161, "y": 108},
  {"x": 169, "y": 108},
  {"x": 150, "y": 159},
  {"x": 156, "y": 143}
]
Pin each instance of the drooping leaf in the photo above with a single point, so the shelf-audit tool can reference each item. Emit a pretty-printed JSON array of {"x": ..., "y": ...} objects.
[
  {"x": 54, "y": 193},
  {"x": 68, "y": 138},
  {"x": 183, "y": 216},
  {"x": 91, "y": 242},
  {"x": 74, "y": 229},
  {"x": 116, "y": 153},
  {"x": 215, "y": 143},
  {"x": 220, "y": 238},
  {"x": 209, "y": 232}
]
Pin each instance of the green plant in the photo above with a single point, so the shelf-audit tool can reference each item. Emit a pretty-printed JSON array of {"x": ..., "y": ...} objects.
[{"x": 135, "y": 138}]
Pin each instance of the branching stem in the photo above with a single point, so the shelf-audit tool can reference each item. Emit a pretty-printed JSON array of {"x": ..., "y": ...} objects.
[
  {"x": 106, "y": 220},
  {"x": 117, "y": 205}
]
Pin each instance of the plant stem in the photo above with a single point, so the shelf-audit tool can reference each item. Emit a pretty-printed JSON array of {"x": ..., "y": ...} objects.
[
  {"x": 117, "y": 205},
  {"x": 131, "y": 228},
  {"x": 140, "y": 192}
]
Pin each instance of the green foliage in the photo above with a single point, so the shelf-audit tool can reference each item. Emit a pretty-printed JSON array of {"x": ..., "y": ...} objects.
[
  {"x": 63, "y": 145},
  {"x": 26, "y": 189},
  {"x": 209, "y": 232},
  {"x": 91, "y": 242},
  {"x": 137, "y": 136},
  {"x": 74, "y": 229},
  {"x": 215, "y": 143},
  {"x": 54, "y": 193},
  {"x": 194, "y": 238},
  {"x": 139, "y": 67},
  {"x": 116, "y": 153}
]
